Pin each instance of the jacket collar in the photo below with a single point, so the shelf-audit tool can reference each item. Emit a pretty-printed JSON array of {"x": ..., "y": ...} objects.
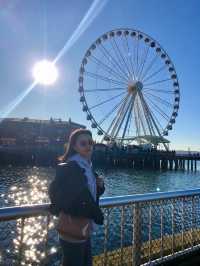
[{"x": 80, "y": 160}]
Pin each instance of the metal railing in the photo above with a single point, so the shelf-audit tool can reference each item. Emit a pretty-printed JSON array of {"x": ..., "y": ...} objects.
[{"x": 138, "y": 229}]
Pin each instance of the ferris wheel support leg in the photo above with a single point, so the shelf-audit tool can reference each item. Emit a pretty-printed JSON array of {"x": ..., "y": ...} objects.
[
  {"x": 158, "y": 131},
  {"x": 129, "y": 114},
  {"x": 122, "y": 119},
  {"x": 120, "y": 115},
  {"x": 116, "y": 118}
]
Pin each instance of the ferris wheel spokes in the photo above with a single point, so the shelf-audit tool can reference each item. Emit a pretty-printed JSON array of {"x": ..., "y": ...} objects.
[
  {"x": 104, "y": 78},
  {"x": 154, "y": 73},
  {"x": 109, "y": 56},
  {"x": 158, "y": 90},
  {"x": 112, "y": 110},
  {"x": 121, "y": 58},
  {"x": 143, "y": 62},
  {"x": 158, "y": 98},
  {"x": 108, "y": 100},
  {"x": 110, "y": 89},
  {"x": 129, "y": 58},
  {"x": 162, "y": 113},
  {"x": 149, "y": 67},
  {"x": 157, "y": 81},
  {"x": 108, "y": 69}
]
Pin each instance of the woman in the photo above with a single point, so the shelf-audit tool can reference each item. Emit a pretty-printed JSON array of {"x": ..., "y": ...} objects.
[{"x": 80, "y": 185}]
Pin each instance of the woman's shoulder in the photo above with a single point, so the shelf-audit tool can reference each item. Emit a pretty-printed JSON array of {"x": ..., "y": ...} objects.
[
  {"x": 70, "y": 165},
  {"x": 71, "y": 169}
]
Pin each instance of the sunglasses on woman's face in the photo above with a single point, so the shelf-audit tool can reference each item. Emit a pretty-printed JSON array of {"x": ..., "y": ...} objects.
[{"x": 84, "y": 143}]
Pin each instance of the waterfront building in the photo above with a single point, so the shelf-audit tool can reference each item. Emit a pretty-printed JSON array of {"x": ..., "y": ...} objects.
[
  {"x": 34, "y": 132},
  {"x": 34, "y": 141}
]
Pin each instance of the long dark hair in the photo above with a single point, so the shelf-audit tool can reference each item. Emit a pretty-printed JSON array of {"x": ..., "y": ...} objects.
[{"x": 72, "y": 141}]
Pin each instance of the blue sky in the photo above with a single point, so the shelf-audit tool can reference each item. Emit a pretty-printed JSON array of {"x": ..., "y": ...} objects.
[{"x": 34, "y": 29}]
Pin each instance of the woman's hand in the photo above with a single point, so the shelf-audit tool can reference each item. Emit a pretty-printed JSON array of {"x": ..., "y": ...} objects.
[{"x": 100, "y": 181}]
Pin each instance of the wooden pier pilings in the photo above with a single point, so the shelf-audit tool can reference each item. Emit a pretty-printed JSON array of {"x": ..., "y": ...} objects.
[{"x": 158, "y": 160}]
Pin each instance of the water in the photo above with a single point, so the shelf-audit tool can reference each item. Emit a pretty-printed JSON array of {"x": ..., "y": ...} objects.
[{"x": 28, "y": 185}]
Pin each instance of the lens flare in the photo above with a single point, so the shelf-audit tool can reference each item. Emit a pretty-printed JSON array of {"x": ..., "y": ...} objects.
[
  {"x": 45, "y": 72},
  {"x": 91, "y": 14}
]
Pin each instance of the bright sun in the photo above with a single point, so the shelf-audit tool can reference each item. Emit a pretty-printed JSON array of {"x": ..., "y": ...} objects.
[{"x": 45, "y": 72}]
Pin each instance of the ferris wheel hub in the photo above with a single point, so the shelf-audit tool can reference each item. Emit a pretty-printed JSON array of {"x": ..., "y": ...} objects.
[{"x": 134, "y": 87}]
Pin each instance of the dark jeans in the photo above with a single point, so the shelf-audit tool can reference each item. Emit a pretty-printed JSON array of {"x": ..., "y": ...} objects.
[{"x": 76, "y": 254}]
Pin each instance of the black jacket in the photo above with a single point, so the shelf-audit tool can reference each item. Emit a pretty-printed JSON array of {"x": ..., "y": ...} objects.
[{"x": 69, "y": 192}]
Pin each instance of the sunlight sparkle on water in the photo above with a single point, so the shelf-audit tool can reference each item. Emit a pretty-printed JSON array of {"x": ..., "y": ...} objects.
[{"x": 34, "y": 228}]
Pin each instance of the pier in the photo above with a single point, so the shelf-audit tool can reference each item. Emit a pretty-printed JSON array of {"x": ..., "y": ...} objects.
[
  {"x": 136, "y": 159},
  {"x": 155, "y": 160}
]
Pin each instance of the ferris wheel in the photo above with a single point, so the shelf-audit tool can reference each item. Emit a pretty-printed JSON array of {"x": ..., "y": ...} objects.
[{"x": 129, "y": 88}]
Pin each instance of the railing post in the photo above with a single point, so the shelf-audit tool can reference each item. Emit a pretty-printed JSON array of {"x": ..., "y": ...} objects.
[
  {"x": 182, "y": 223},
  {"x": 21, "y": 247},
  {"x": 106, "y": 228},
  {"x": 150, "y": 230},
  {"x": 193, "y": 221},
  {"x": 137, "y": 234},
  {"x": 122, "y": 234},
  {"x": 161, "y": 228},
  {"x": 46, "y": 237},
  {"x": 173, "y": 220}
]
